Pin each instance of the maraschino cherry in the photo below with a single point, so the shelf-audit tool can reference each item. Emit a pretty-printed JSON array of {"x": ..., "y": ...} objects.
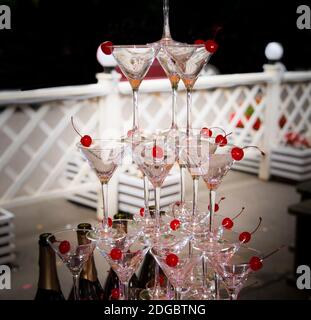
[
  {"x": 256, "y": 263},
  {"x": 206, "y": 132},
  {"x": 142, "y": 212},
  {"x": 116, "y": 254},
  {"x": 86, "y": 140},
  {"x": 107, "y": 47},
  {"x": 216, "y": 207},
  {"x": 171, "y": 260},
  {"x": 237, "y": 153},
  {"x": 64, "y": 247},
  {"x": 109, "y": 222},
  {"x": 211, "y": 46},
  {"x": 245, "y": 236},
  {"x": 175, "y": 224},
  {"x": 115, "y": 294},
  {"x": 221, "y": 140},
  {"x": 157, "y": 152},
  {"x": 228, "y": 222}
]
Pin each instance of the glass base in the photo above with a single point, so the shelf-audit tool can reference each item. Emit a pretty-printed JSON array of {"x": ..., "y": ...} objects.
[
  {"x": 159, "y": 294},
  {"x": 101, "y": 233}
]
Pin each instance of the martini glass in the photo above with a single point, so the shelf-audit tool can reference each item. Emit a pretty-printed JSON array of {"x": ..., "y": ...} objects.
[
  {"x": 155, "y": 158},
  {"x": 195, "y": 154},
  {"x": 123, "y": 260},
  {"x": 73, "y": 255},
  {"x": 166, "y": 62},
  {"x": 220, "y": 163},
  {"x": 104, "y": 156},
  {"x": 176, "y": 263},
  {"x": 189, "y": 61},
  {"x": 134, "y": 62},
  {"x": 235, "y": 272},
  {"x": 214, "y": 249}
]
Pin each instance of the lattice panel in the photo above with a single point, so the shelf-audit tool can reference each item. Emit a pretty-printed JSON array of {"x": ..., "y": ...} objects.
[
  {"x": 295, "y": 110},
  {"x": 238, "y": 109},
  {"x": 36, "y": 142}
]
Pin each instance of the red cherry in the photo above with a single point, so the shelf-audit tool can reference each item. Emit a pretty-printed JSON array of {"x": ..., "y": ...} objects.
[
  {"x": 171, "y": 260},
  {"x": 157, "y": 152},
  {"x": 142, "y": 212},
  {"x": 107, "y": 47},
  {"x": 237, "y": 153},
  {"x": 86, "y": 141},
  {"x": 206, "y": 132},
  {"x": 115, "y": 294},
  {"x": 211, "y": 46},
  {"x": 64, "y": 247},
  {"x": 255, "y": 263},
  {"x": 221, "y": 140},
  {"x": 227, "y": 223},
  {"x": 175, "y": 224},
  {"x": 216, "y": 207},
  {"x": 109, "y": 222},
  {"x": 245, "y": 237},
  {"x": 115, "y": 254},
  {"x": 177, "y": 203},
  {"x": 199, "y": 41}
]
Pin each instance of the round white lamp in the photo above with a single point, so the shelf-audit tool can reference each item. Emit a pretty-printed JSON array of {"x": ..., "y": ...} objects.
[{"x": 274, "y": 51}]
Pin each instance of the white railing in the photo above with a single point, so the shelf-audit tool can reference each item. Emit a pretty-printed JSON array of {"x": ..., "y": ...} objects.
[{"x": 37, "y": 142}]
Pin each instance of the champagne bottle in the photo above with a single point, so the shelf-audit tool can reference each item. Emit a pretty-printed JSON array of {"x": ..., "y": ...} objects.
[
  {"x": 48, "y": 284},
  {"x": 112, "y": 281},
  {"x": 89, "y": 285},
  {"x": 148, "y": 267}
]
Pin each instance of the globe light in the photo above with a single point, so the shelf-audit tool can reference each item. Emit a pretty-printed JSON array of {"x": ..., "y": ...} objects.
[
  {"x": 274, "y": 51},
  {"x": 107, "y": 61}
]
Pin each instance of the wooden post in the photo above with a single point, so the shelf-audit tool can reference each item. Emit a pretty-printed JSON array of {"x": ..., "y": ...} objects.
[{"x": 275, "y": 71}]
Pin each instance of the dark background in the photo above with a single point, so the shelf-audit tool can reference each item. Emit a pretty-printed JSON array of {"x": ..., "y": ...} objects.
[{"x": 54, "y": 42}]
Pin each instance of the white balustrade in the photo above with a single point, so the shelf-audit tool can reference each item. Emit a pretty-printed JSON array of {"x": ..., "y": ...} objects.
[{"x": 38, "y": 156}]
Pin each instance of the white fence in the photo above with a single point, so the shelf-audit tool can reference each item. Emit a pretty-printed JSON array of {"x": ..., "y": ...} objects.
[{"x": 37, "y": 143}]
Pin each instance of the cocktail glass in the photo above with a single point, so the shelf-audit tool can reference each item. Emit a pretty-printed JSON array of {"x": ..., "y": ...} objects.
[
  {"x": 104, "y": 156},
  {"x": 189, "y": 61},
  {"x": 176, "y": 263},
  {"x": 123, "y": 260},
  {"x": 134, "y": 62},
  {"x": 73, "y": 255},
  {"x": 235, "y": 272}
]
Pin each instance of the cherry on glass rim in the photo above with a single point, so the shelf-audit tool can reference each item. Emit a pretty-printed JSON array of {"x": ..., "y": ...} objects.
[
  {"x": 85, "y": 140},
  {"x": 211, "y": 46},
  {"x": 107, "y": 47}
]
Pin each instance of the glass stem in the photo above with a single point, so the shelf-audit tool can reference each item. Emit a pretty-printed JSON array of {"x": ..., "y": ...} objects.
[
  {"x": 217, "y": 284},
  {"x": 157, "y": 193},
  {"x": 174, "y": 96},
  {"x": 195, "y": 181},
  {"x": 189, "y": 102},
  {"x": 126, "y": 290},
  {"x": 182, "y": 183},
  {"x": 105, "y": 204},
  {"x": 75, "y": 278},
  {"x": 204, "y": 270},
  {"x": 166, "y": 25},
  {"x": 156, "y": 288},
  {"x": 178, "y": 293},
  {"x": 212, "y": 197},
  {"x": 233, "y": 294},
  {"x": 146, "y": 193},
  {"x": 135, "y": 109}
]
